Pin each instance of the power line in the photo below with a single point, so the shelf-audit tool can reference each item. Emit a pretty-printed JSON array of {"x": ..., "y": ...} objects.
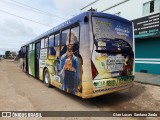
[
  {"x": 33, "y": 9},
  {"x": 38, "y": 10},
  {"x": 25, "y": 18},
  {"x": 19, "y": 5}
]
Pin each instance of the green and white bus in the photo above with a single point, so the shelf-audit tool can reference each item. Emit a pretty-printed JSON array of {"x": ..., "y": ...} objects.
[{"x": 89, "y": 55}]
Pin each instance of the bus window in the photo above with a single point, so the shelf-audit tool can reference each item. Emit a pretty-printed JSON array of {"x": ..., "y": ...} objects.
[
  {"x": 46, "y": 42},
  {"x": 57, "y": 40},
  {"x": 30, "y": 47},
  {"x": 42, "y": 43},
  {"x": 51, "y": 50},
  {"x": 76, "y": 32},
  {"x": 70, "y": 37},
  {"x": 20, "y": 53},
  {"x": 75, "y": 40},
  {"x": 33, "y": 46},
  {"x": 51, "y": 41},
  {"x": 24, "y": 52},
  {"x": 112, "y": 35},
  {"x": 65, "y": 35}
]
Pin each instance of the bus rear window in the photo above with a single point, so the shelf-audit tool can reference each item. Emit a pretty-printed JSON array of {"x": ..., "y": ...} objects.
[
  {"x": 111, "y": 34},
  {"x": 112, "y": 45}
]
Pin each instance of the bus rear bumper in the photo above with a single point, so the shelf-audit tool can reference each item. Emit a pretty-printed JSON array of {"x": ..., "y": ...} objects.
[{"x": 107, "y": 90}]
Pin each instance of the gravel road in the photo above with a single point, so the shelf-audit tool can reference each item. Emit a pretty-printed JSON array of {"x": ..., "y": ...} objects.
[{"x": 21, "y": 92}]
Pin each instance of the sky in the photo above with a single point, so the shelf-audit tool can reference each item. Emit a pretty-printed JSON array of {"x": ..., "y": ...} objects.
[{"x": 15, "y": 31}]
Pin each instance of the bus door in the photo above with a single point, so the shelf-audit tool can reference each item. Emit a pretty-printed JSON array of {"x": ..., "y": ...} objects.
[
  {"x": 27, "y": 59},
  {"x": 37, "y": 57},
  {"x": 32, "y": 59}
]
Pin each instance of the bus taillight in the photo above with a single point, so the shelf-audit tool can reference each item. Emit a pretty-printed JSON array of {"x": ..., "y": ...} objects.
[{"x": 94, "y": 70}]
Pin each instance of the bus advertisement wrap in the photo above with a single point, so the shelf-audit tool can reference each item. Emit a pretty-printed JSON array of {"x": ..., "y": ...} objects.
[
  {"x": 112, "y": 55},
  {"x": 88, "y": 56}
]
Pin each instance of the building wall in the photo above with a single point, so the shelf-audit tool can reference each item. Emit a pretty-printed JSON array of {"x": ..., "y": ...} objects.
[
  {"x": 129, "y": 9},
  {"x": 147, "y": 50},
  {"x": 148, "y": 55},
  {"x": 149, "y": 46}
]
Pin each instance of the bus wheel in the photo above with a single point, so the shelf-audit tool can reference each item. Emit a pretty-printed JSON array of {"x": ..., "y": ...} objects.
[{"x": 46, "y": 78}]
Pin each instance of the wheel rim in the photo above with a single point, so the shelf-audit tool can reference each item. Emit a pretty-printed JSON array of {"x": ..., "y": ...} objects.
[{"x": 46, "y": 78}]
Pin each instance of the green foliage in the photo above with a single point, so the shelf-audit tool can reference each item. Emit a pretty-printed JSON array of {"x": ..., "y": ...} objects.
[{"x": 7, "y": 54}]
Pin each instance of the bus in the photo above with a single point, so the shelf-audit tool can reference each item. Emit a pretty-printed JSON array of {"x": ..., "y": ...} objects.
[{"x": 89, "y": 55}]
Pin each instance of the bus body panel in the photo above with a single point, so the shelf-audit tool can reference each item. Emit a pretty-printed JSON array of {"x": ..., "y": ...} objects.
[
  {"x": 51, "y": 61},
  {"x": 42, "y": 62},
  {"x": 122, "y": 87},
  {"x": 87, "y": 86}
]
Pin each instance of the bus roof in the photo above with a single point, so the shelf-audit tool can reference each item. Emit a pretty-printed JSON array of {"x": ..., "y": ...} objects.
[
  {"x": 74, "y": 20},
  {"x": 111, "y": 16}
]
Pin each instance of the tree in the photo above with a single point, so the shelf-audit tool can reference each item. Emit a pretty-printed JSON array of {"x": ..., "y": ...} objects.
[{"x": 7, "y": 54}]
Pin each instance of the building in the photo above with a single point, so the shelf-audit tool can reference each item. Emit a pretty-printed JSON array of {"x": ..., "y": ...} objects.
[
  {"x": 13, "y": 55},
  {"x": 1, "y": 57},
  {"x": 145, "y": 15}
]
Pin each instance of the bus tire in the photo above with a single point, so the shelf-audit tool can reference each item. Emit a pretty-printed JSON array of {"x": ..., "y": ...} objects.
[{"x": 46, "y": 78}]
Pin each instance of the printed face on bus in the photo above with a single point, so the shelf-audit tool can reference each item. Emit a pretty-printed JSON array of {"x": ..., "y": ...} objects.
[{"x": 72, "y": 41}]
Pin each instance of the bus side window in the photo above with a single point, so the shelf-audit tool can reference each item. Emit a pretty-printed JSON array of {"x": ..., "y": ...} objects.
[
  {"x": 75, "y": 40},
  {"x": 57, "y": 41},
  {"x": 51, "y": 41},
  {"x": 42, "y": 43},
  {"x": 21, "y": 53},
  {"x": 24, "y": 52},
  {"x": 76, "y": 34},
  {"x": 51, "y": 46},
  {"x": 57, "y": 45},
  {"x": 64, "y": 38},
  {"x": 46, "y": 42},
  {"x": 30, "y": 47}
]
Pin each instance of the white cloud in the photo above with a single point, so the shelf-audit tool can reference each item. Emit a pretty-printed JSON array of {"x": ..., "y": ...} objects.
[
  {"x": 70, "y": 7},
  {"x": 11, "y": 28},
  {"x": 13, "y": 34},
  {"x": 15, "y": 31}
]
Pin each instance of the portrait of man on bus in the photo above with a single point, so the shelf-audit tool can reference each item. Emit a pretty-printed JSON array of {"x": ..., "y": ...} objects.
[{"x": 69, "y": 66}]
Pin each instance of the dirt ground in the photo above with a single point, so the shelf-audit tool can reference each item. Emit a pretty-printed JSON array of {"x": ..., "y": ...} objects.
[{"x": 21, "y": 92}]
